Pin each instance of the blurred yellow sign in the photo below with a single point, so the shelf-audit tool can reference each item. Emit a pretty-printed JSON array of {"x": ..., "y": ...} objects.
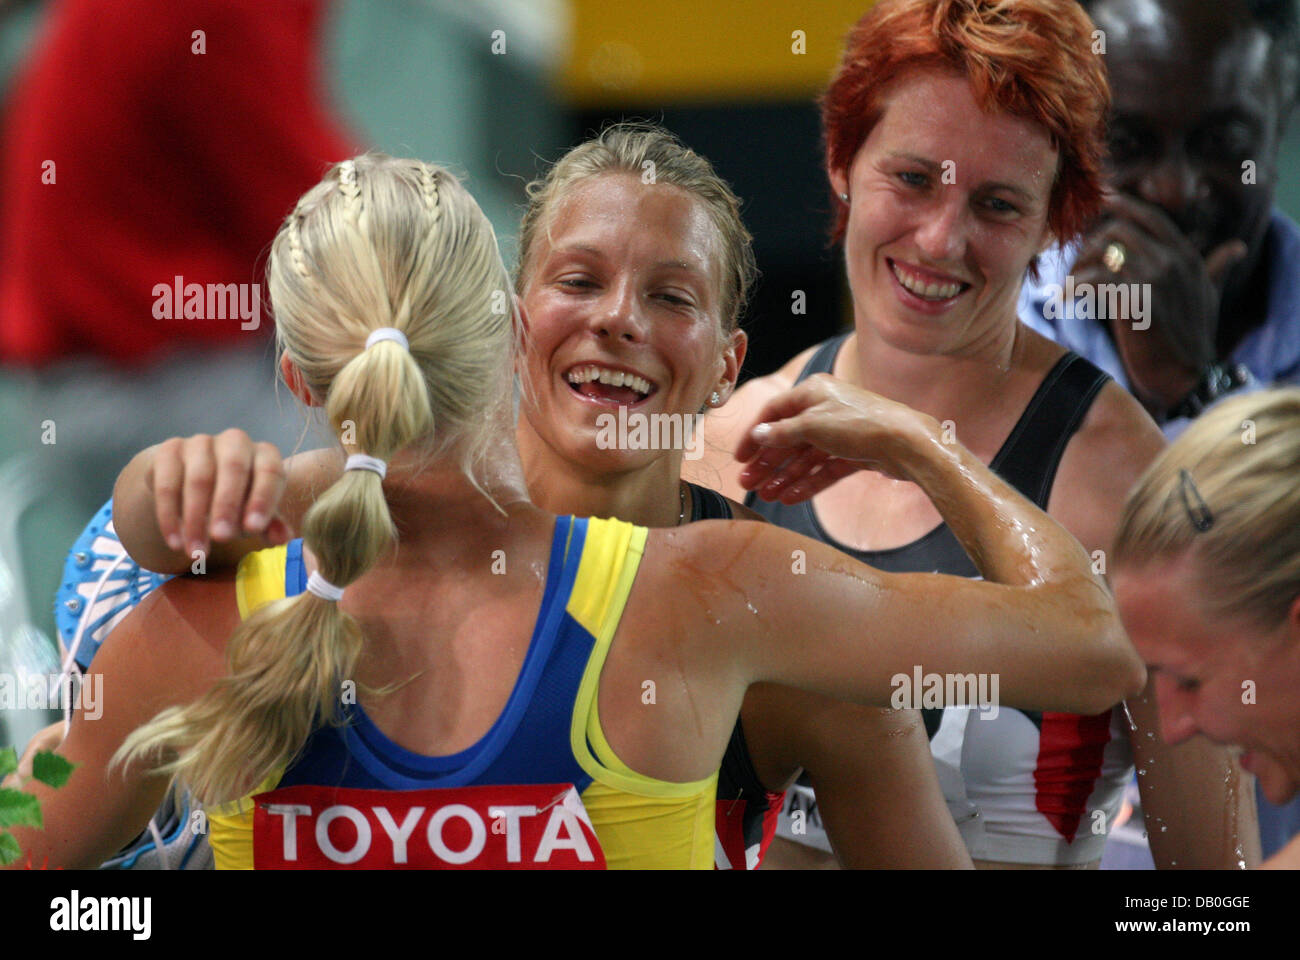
[{"x": 703, "y": 50}]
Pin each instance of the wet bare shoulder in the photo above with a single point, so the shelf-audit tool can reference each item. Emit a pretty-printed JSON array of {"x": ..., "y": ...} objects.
[{"x": 703, "y": 573}]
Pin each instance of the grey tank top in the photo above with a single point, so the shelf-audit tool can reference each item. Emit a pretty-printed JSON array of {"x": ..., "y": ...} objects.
[{"x": 1028, "y": 461}]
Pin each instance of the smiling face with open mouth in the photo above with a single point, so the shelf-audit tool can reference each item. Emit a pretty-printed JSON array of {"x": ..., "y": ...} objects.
[
  {"x": 622, "y": 302},
  {"x": 948, "y": 205}
]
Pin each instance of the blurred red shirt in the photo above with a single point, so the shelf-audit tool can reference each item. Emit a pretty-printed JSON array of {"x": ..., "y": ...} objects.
[{"x": 167, "y": 162}]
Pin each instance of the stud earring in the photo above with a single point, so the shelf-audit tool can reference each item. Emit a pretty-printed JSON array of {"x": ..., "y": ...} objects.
[
  {"x": 714, "y": 399},
  {"x": 844, "y": 197}
]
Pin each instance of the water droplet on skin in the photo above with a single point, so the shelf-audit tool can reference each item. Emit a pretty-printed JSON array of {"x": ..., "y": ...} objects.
[
  {"x": 1142, "y": 773},
  {"x": 1231, "y": 832},
  {"x": 1164, "y": 829},
  {"x": 1127, "y": 713},
  {"x": 751, "y": 608}
]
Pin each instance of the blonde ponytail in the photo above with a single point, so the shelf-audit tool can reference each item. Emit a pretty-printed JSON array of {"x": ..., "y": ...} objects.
[{"x": 379, "y": 243}]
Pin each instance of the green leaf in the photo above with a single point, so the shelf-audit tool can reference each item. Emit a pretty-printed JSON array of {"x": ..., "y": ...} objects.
[
  {"x": 51, "y": 769},
  {"x": 9, "y": 849},
  {"x": 19, "y": 809},
  {"x": 8, "y": 761}
]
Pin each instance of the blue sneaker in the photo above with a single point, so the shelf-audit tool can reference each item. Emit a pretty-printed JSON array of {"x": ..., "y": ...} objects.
[{"x": 101, "y": 584}]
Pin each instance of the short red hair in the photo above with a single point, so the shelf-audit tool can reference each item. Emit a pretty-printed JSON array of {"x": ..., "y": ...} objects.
[{"x": 1029, "y": 58}]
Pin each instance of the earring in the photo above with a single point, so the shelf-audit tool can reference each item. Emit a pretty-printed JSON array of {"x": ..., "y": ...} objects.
[
  {"x": 844, "y": 197},
  {"x": 714, "y": 399}
]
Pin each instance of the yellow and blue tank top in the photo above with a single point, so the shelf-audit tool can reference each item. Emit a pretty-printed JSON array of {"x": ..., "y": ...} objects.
[{"x": 541, "y": 789}]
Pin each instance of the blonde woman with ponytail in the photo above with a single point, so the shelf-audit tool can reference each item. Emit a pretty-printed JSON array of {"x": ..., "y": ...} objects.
[
  {"x": 287, "y": 661},
  {"x": 442, "y": 674},
  {"x": 1207, "y": 576}
]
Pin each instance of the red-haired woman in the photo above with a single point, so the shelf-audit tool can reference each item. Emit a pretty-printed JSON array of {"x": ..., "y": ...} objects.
[{"x": 962, "y": 138}]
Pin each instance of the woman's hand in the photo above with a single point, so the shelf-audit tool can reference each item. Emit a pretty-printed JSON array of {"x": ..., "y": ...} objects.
[
  {"x": 823, "y": 429},
  {"x": 224, "y": 487},
  {"x": 175, "y": 499}
]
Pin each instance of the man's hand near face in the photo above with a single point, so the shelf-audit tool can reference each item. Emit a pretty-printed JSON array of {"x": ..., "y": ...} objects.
[{"x": 1165, "y": 360}]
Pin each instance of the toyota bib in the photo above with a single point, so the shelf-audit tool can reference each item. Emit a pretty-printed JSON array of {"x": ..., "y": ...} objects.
[{"x": 529, "y": 827}]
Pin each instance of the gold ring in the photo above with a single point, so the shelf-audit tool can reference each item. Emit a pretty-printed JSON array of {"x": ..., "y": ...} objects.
[{"x": 1114, "y": 257}]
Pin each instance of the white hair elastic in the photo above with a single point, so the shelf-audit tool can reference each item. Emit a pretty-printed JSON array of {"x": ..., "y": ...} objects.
[
  {"x": 388, "y": 333},
  {"x": 359, "y": 461},
  {"x": 319, "y": 586}
]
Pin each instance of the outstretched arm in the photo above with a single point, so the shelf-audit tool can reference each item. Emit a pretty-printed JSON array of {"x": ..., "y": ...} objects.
[{"x": 1043, "y": 625}]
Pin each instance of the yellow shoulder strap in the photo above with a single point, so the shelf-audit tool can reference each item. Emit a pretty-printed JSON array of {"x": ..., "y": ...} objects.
[
  {"x": 260, "y": 579},
  {"x": 611, "y": 556}
]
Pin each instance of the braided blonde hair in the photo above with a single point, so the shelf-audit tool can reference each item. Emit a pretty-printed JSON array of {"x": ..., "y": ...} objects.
[{"x": 380, "y": 242}]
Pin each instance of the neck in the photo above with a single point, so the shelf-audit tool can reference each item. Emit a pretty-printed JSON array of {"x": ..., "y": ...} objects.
[
  {"x": 431, "y": 499},
  {"x": 649, "y": 495},
  {"x": 947, "y": 386}
]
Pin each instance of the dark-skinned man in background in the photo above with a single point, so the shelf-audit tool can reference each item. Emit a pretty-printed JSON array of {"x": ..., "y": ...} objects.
[{"x": 1202, "y": 92}]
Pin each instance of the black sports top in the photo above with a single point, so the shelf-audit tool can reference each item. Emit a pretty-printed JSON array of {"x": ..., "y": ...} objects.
[
  {"x": 708, "y": 504},
  {"x": 744, "y": 803}
]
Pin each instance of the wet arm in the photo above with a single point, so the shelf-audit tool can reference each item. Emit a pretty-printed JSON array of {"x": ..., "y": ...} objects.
[
  {"x": 1040, "y": 582},
  {"x": 1198, "y": 803}
]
